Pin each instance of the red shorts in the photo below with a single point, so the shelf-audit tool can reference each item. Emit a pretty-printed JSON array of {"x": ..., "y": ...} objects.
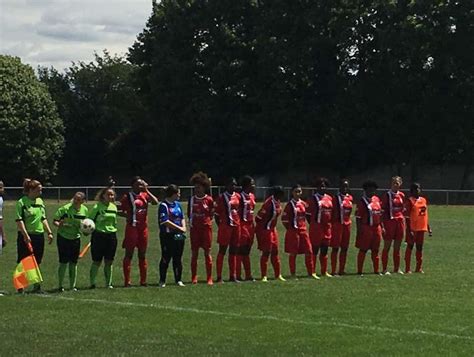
[
  {"x": 228, "y": 235},
  {"x": 341, "y": 234},
  {"x": 201, "y": 237},
  {"x": 135, "y": 237},
  {"x": 394, "y": 229},
  {"x": 320, "y": 234},
  {"x": 418, "y": 238},
  {"x": 297, "y": 242},
  {"x": 267, "y": 240},
  {"x": 369, "y": 237},
  {"x": 247, "y": 233}
]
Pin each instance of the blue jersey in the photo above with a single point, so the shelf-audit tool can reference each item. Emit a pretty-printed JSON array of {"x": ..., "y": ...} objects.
[{"x": 169, "y": 211}]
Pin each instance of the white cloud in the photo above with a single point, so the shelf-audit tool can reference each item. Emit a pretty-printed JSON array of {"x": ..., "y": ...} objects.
[{"x": 58, "y": 32}]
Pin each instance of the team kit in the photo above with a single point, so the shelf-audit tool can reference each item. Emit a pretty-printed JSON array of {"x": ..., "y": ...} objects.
[{"x": 319, "y": 228}]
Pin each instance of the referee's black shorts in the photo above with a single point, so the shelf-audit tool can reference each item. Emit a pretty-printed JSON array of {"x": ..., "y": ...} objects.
[
  {"x": 68, "y": 249},
  {"x": 37, "y": 241},
  {"x": 103, "y": 246}
]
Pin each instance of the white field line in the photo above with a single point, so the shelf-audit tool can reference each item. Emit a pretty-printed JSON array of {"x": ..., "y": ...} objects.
[{"x": 265, "y": 318}]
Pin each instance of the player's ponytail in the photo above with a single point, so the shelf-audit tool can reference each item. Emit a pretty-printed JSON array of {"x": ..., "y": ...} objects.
[{"x": 29, "y": 184}]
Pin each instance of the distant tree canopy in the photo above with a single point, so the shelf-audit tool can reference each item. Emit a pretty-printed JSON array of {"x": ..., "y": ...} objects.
[
  {"x": 31, "y": 131},
  {"x": 237, "y": 86}
]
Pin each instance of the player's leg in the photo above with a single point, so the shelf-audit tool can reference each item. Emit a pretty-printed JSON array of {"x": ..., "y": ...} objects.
[
  {"x": 323, "y": 259},
  {"x": 276, "y": 263},
  {"x": 97, "y": 254},
  {"x": 63, "y": 261},
  {"x": 178, "y": 261},
  {"x": 245, "y": 254},
  {"x": 360, "y": 261},
  {"x": 74, "y": 252},
  {"x": 398, "y": 237},
  {"x": 387, "y": 243},
  {"x": 208, "y": 262},
  {"x": 233, "y": 251},
  {"x": 264, "y": 264},
  {"x": 220, "y": 262},
  {"x": 127, "y": 266},
  {"x": 142, "y": 246},
  {"x": 334, "y": 255},
  {"x": 315, "y": 249},
  {"x": 195, "y": 238},
  {"x": 109, "y": 256},
  {"x": 419, "y": 240},
  {"x": 345, "y": 239},
  {"x": 292, "y": 264},
  {"x": 374, "y": 248},
  {"x": 166, "y": 254}
]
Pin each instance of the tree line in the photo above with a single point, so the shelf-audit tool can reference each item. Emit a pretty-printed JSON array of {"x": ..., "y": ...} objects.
[{"x": 262, "y": 87}]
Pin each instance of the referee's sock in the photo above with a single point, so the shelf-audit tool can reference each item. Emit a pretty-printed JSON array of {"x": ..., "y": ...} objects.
[
  {"x": 93, "y": 273},
  {"x": 72, "y": 275},
  {"x": 108, "y": 274},
  {"x": 61, "y": 273}
]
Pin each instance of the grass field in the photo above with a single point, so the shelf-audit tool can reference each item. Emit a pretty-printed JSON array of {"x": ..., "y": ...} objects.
[{"x": 429, "y": 314}]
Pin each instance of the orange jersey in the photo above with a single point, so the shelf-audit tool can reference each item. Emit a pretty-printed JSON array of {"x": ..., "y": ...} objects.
[
  {"x": 135, "y": 206},
  {"x": 228, "y": 208},
  {"x": 200, "y": 211},
  {"x": 248, "y": 206},
  {"x": 320, "y": 208},
  {"x": 417, "y": 212},
  {"x": 393, "y": 204},
  {"x": 268, "y": 214},
  {"x": 294, "y": 215},
  {"x": 342, "y": 208},
  {"x": 369, "y": 211}
]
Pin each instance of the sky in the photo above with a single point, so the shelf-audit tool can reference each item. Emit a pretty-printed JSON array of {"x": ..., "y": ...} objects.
[{"x": 58, "y": 32}]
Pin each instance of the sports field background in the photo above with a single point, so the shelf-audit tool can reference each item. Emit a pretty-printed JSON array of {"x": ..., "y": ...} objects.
[{"x": 429, "y": 314}]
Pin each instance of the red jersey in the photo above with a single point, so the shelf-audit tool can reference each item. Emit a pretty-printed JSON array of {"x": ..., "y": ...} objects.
[
  {"x": 228, "y": 208},
  {"x": 369, "y": 211},
  {"x": 320, "y": 208},
  {"x": 416, "y": 209},
  {"x": 248, "y": 206},
  {"x": 135, "y": 205},
  {"x": 342, "y": 208},
  {"x": 200, "y": 210},
  {"x": 393, "y": 205},
  {"x": 268, "y": 215},
  {"x": 294, "y": 215}
]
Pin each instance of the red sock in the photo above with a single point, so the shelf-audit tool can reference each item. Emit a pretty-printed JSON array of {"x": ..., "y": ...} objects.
[
  {"x": 408, "y": 259},
  {"x": 238, "y": 266},
  {"x": 143, "y": 265},
  {"x": 232, "y": 266},
  {"x": 396, "y": 260},
  {"x": 208, "y": 259},
  {"x": 419, "y": 259},
  {"x": 342, "y": 262},
  {"x": 323, "y": 260},
  {"x": 308, "y": 261},
  {"x": 360, "y": 262},
  {"x": 384, "y": 259},
  {"x": 263, "y": 264},
  {"x": 220, "y": 263},
  {"x": 315, "y": 260},
  {"x": 194, "y": 262},
  {"x": 247, "y": 268},
  {"x": 292, "y": 262},
  {"x": 276, "y": 265},
  {"x": 333, "y": 261},
  {"x": 127, "y": 267},
  {"x": 375, "y": 261}
]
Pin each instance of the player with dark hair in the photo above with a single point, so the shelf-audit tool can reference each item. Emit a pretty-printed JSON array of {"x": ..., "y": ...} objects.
[
  {"x": 416, "y": 214},
  {"x": 227, "y": 216},
  {"x": 341, "y": 227},
  {"x": 393, "y": 205},
  {"x": 296, "y": 237},
  {"x": 369, "y": 230},
  {"x": 200, "y": 213},
  {"x": 134, "y": 206},
  {"x": 319, "y": 215},
  {"x": 247, "y": 227},
  {"x": 267, "y": 236},
  {"x": 31, "y": 222}
]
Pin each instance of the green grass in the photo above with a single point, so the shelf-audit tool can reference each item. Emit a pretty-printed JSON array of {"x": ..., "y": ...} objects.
[{"x": 430, "y": 314}]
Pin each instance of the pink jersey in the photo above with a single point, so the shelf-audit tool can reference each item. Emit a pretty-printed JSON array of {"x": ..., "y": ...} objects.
[{"x": 200, "y": 211}]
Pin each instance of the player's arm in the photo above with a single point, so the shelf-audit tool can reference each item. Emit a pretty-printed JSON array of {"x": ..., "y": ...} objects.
[
  {"x": 164, "y": 220},
  {"x": 19, "y": 222},
  {"x": 284, "y": 217},
  {"x": 152, "y": 198},
  {"x": 310, "y": 209},
  {"x": 217, "y": 211},
  {"x": 407, "y": 212},
  {"x": 46, "y": 226},
  {"x": 122, "y": 207}
]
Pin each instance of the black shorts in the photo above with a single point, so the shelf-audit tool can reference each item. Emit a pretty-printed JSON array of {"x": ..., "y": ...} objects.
[
  {"x": 37, "y": 241},
  {"x": 68, "y": 250},
  {"x": 103, "y": 246}
]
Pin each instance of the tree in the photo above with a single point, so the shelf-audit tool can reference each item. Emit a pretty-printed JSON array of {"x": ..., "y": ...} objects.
[{"x": 30, "y": 128}]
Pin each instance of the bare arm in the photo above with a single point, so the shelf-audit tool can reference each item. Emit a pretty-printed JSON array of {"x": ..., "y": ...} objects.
[
  {"x": 24, "y": 233},
  {"x": 174, "y": 226},
  {"x": 48, "y": 230},
  {"x": 153, "y": 199}
]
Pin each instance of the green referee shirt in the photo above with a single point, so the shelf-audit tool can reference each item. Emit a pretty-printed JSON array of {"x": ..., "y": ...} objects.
[
  {"x": 71, "y": 217},
  {"x": 32, "y": 213},
  {"x": 105, "y": 217}
]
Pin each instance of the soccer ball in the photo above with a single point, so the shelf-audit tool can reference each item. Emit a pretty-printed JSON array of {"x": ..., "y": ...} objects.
[{"x": 87, "y": 226}]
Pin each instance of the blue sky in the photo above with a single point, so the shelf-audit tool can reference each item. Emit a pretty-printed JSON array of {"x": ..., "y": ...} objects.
[{"x": 57, "y": 32}]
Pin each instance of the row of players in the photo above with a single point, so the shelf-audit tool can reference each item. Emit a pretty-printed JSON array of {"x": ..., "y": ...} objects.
[{"x": 329, "y": 219}]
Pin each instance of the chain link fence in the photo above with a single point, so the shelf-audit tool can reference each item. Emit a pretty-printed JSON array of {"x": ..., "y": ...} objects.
[{"x": 64, "y": 193}]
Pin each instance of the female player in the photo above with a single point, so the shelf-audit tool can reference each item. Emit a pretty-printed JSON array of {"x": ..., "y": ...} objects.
[
  {"x": 319, "y": 215},
  {"x": 416, "y": 213},
  {"x": 134, "y": 206},
  {"x": 341, "y": 227},
  {"x": 68, "y": 220},
  {"x": 31, "y": 222},
  {"x": 369, "y": 230},
  {"x": 104, "y": 238},
  {"x": 172, "y": 229},
  {"x": 200, "y": 213},
  {"x": 393, "y": 203},
  {"x": 227, "y": 217},
  {"x": 247, "y": 227},
  {"x": 296, "y": 237},
  {"x": 267, "y": 236}
]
